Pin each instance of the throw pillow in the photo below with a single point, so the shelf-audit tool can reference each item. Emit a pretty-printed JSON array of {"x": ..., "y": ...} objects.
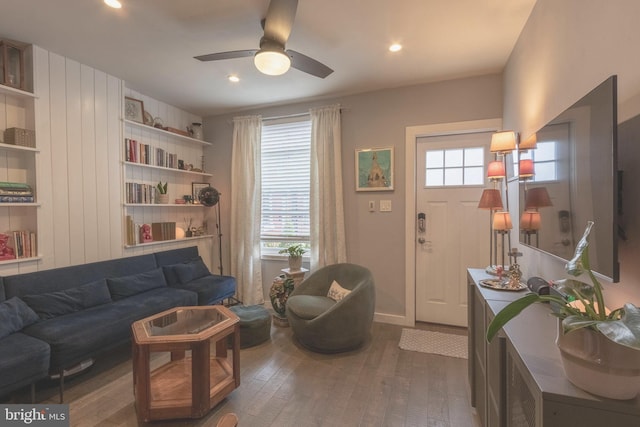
[
  {"x": 15, "y": 315},
  {"x": 337, "y": 292},
  {"x": 59, "y": 303},
  {"x": 180, "y": 274},
  {"x": 122, "y": 287}
]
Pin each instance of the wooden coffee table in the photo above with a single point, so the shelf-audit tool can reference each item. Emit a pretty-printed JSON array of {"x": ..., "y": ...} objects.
[{"x": 200, "y": 372}]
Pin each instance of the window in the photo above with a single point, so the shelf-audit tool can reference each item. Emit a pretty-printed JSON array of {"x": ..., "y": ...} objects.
[
  {"x": 545, "y": 161},
  {"x": 286, "y": 154},
  {"x": 459, "y": 166}
]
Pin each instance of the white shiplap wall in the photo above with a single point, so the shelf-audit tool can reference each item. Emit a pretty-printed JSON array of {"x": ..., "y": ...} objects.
[{"x": 79, "y": 134}]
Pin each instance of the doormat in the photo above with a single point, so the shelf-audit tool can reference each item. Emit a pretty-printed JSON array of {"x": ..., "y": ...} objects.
[{"x": 434, "y": 342}]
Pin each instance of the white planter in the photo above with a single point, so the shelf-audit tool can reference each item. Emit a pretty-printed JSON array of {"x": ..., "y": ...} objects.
[
  {"x": 598, "y": 365},
  {"x": 295, "y": 263}
]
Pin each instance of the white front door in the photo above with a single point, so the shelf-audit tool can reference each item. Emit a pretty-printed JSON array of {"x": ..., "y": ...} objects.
[{"x": 451, "y": 175}]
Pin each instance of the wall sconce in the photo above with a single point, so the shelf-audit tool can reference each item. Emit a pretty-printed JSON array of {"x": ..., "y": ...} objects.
[
  {"x": 525, "y": 169},
  {"x": 492, "y": 201},
  {"x": 536, "y": 198},
  {"x": 529, "y": 143},
  {"x": 495, "y": 170},
  {"x": 503, "y": 142},
  {"x": 502, "y": 224},
  {"x": 530, "y": 223}
]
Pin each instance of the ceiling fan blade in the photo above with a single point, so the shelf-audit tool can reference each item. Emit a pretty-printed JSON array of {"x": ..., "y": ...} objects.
[
  {"x": 227, "y": 55},
  {"x": 279, "y": 20},
  {"x": 308, "y": 65}
]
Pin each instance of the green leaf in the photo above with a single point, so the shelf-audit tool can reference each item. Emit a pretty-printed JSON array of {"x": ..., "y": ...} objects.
[
  {"x": 575, "y": 267},
  {"x": 625, "y": 331},
  {"x": 509, "y": 312}
]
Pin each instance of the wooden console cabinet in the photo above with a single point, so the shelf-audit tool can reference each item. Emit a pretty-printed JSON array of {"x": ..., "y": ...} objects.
[{"x": 518, "y": 380}]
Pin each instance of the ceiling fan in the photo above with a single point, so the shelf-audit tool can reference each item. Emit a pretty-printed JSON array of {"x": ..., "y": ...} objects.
[{"x": 272, "y": 58}]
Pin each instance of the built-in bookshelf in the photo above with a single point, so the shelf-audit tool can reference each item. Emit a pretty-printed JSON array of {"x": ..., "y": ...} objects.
[
  {"x": 18, "y": 187},
  {"x": 151, "y": 156}
]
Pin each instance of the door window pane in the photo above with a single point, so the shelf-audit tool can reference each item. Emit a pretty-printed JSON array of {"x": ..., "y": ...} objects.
[{"x": 455, "y": 167}]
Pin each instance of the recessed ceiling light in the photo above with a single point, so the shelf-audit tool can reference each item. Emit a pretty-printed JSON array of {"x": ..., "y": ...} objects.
[
  {"x": 113, "y": 3},
  {"x": 233, "y": 78},
  {"x": 396, "y": 47}
]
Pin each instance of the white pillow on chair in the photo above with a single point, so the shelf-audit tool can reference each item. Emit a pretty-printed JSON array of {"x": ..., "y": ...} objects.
[{"x": 337, "y": 292}]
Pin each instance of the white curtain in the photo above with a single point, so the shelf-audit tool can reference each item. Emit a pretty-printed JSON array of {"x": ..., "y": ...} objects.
[
  {"x": 327, "y": 211},
  {"x": 245, "y": 209}
]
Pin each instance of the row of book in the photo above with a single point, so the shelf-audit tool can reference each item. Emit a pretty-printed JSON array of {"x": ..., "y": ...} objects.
[
  {"x": 138, "y": 152},
  {"x": 140, "y": 193},
  {"x": 23, "y": 242},
  {"x": 16, "y": 192},
  {"x": 146, "y": 233}
]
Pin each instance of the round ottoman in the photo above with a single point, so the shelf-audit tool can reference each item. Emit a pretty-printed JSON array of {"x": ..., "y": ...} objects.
[{"x": 255, "y": 324}]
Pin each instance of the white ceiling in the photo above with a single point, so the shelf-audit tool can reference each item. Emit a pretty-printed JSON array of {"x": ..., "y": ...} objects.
[{"x": 151, "y": 44}]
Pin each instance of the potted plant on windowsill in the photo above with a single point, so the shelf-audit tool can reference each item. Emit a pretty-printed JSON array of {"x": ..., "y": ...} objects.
[
  {"x": 162, "y": 197},
  {"x": 295, "y": 253},
  {"x": 600, "y": 350}
]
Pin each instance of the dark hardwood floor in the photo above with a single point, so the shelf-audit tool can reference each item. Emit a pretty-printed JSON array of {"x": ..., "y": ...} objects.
[{"x": 283, "y": 384}]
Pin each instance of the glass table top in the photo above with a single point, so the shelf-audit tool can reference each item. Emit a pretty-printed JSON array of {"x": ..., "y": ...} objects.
[{"x": 184, "y": 321}]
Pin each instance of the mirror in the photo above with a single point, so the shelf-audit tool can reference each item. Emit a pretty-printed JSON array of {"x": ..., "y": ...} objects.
[{"x": 569, "y": 177}]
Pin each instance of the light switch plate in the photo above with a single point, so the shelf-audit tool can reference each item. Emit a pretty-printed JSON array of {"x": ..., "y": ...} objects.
[
  {"x": 372, "y": 205},
  {"x": 385, "y": 205}
]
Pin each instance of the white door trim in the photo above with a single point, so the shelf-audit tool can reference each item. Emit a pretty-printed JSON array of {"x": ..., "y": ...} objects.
[{"x": 411, "y": 134}]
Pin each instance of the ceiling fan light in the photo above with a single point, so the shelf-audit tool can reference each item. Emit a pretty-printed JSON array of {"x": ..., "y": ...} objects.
[{"x": 272, "y": 63}]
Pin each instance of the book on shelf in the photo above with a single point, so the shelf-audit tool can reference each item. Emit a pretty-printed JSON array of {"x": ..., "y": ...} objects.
[
  {"x": 140, "y": 193},
  {"x": 16, "y": 199},
  {"x": 24, "y": 244},
  {"x": 138, "y": 152},
  {"x": 16, "y": 192}
]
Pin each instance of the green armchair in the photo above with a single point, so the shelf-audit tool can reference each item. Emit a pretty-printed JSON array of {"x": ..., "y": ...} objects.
[{"x": 324, "y": 325}]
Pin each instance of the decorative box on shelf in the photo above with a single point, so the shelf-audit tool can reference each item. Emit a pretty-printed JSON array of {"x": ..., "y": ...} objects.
[
  {"x": 22, "y": 137},
  {"x": 12, "y": 64}
]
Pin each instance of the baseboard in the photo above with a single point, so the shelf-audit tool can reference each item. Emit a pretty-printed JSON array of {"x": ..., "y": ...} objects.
[{"x": 393, "y": 319}]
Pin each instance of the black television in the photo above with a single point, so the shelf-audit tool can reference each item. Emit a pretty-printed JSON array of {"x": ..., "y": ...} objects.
[{"x": 575, "y": 180}]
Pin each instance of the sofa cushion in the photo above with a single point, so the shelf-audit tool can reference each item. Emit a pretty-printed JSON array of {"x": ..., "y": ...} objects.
[
  {"x": 309, "y": 306},
  {"x": 59, "y": 279},
  {"x": 122, "y": 287},
  {"x": 185, "y": 272},
  {"x": 211, "y": 289},
  {"x": 23, "y": 360},
  {"x": 81, "y": 335},
  {"x": 15, "y": 315},
  {"x": 59, "y": 303}
]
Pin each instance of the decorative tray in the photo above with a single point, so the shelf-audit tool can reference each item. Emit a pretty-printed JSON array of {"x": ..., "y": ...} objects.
[{"x": 500, "y": 285}]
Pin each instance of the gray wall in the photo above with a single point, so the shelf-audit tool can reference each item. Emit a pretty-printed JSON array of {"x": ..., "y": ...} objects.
[
  {"x": 566, "y": 49},
  {"x": 375, "y": 119}
]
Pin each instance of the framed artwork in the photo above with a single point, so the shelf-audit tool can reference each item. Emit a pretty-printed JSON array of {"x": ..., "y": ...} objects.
[
  {"x": 374, "y": 169},
  {"x": 195, "y": 190},
  {"x": 133, "y": 110}
]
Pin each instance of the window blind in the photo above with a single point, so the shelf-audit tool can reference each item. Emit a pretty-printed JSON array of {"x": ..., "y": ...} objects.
[{"x": 286, "y": 151}]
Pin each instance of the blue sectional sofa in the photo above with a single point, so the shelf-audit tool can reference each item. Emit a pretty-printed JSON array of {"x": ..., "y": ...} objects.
[{"x": 52, "y": 320}]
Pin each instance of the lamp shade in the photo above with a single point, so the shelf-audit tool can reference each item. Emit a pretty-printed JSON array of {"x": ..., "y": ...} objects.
[
  {"x": 272, "y": 62},
  {"x": 530, "y": 221},
  {"x": 525, "y": 168},
  {"x": 529, "y": 143},
  {"x": 495, "y": 170},
  {"x": 490, "y": 199},
  {"x": 537, "y": 197},
  {"x": 502, "y": 221},
  {"x": 503, "y": 142}
]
